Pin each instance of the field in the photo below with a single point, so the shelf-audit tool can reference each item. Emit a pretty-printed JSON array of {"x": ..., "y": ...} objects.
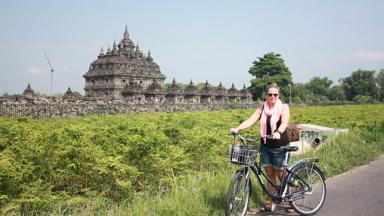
[{"x": 152, "y": 163}]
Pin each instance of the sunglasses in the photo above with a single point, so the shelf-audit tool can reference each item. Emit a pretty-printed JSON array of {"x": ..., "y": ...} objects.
[{"x": 270, "y": 95}]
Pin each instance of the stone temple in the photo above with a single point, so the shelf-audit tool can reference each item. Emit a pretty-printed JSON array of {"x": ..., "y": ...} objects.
[{"x": 125, "y": 74}]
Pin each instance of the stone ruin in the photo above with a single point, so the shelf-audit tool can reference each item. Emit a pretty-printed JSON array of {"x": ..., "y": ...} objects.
[
  {"x": 30, "y": 104},
  {"x": 122, "y": 80},
  {"x": 126, "y": 74}
]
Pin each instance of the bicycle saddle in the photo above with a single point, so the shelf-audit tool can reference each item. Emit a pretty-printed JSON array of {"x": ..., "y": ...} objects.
[{"x": 289, "y": 148}]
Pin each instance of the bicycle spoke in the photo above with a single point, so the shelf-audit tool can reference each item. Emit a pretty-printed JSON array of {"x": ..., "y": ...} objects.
[
  {"x": 237, "y": 196},
  {"x": 309, "y": 196}
]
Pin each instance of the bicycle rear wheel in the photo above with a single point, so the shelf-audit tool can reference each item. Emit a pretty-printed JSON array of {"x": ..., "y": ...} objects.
[
  {"x": 238, "y": 194},
  {"x": 307, "y": 198}
]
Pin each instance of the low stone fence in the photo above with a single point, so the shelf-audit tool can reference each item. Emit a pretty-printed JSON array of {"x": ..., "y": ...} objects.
[{"x": 67, "y": 110}]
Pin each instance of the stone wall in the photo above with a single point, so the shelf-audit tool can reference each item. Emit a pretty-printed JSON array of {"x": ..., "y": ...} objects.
[{"x": 58, "y": 110}]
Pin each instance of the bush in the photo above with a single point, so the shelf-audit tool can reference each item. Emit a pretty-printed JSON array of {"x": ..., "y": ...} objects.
[{"x": 106, "y": 163}]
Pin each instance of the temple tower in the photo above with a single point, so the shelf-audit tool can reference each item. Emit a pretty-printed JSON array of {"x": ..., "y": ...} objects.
[{"x": 123, "y": 73}]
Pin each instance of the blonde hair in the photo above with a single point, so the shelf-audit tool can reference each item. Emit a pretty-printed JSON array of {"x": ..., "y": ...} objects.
[{"x": 273, "y": 85}]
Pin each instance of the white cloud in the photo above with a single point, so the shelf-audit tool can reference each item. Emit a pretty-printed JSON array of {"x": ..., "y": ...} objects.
[
  {"x": 34, "y": 71},
  {"x": 369, "y": 55}
]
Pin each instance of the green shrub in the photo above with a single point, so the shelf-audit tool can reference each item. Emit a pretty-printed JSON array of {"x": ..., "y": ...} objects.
[{"x": 152, "y": 163}]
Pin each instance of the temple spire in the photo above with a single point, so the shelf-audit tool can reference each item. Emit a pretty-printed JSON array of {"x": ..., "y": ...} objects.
[
  {"x": 137, "y": 51},
  {"x": 114, "y": 49},
  {"x": 220, "y": 85},
  {"x": 149, "y": 57},
  {"x": 126, "y": 35},
  {"x": 101, "y": 52},
  {"x": 28, "y": 92}
]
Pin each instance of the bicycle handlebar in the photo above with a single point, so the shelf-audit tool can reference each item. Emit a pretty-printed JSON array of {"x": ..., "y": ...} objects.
[{"x": 242, "y": 138}]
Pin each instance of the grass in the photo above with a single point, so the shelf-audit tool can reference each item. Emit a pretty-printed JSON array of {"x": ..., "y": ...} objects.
[
  {"x": 201, "y": 194},
  {"x": 204, "y": 193}
]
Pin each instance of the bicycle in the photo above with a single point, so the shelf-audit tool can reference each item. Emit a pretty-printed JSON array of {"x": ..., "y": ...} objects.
[{"x": 303, "y": 185}]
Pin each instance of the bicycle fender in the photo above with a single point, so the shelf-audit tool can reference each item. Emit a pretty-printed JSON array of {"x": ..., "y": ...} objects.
[{"x": 305, "y": 164}]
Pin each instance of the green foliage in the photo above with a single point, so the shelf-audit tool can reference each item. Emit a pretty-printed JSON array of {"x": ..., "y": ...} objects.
[
  {"x": 362, "y": 87},
  {"x": 380, "y": 85},
  {"x": 10, "y": 96},
  {"x": 358, "y": 147},
  {"x": 267, "y": 70},
  {"x": 318, "y": 85},
  {"x": 317, "y": 90},
  {"x": 200, "y": 86},
  {"x": 181, "y": 86},
  {"x": 336, "y": 93},
  {"x": 151, "y": 164},
  {"x": 362, "y": 99},
  {"x": 78, "y": 95},
  {"x": 361, "y": 82},
  {"x": 111, "y": 156}
]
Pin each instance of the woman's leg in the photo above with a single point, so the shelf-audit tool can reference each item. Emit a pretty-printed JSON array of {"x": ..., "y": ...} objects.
[
  {"x": 271, "y": 174},
  {"x": 266, "y": 159},
  {"x": 280, "y": 173}
]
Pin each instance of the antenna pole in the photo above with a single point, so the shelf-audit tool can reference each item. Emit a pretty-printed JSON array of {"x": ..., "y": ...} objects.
[{"x": 50, "y": 66}]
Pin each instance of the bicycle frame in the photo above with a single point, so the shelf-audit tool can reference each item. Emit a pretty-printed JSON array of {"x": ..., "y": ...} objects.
[
  {"x": 287, "y": 174},
  {"x": 296, "y": 185},
  {"x": 282, "y": 187}
]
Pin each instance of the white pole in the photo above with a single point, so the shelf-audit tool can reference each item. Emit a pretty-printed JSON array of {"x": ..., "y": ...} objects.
[
  {"x": 51, "y": 82},
  {"x": 50, "y": 66},
  {"x": 290, "y": 94}
]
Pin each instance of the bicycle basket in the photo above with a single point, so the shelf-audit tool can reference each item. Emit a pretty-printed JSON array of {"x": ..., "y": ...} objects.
[{"x": 242, "y": 154}]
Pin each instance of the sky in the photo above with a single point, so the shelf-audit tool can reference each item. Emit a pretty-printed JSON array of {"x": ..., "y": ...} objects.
[{"x": 194, "y": 40}]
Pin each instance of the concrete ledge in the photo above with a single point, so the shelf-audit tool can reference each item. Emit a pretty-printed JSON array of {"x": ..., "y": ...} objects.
[{"x": 313, "y": 136}]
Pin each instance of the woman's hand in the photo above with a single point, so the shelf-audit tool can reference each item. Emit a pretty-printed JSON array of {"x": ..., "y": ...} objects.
[
  {"x": 234, "y": 131},
  {"x": 276, "y": 135}
]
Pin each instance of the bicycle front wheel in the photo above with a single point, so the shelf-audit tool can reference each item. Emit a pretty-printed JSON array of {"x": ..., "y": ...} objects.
[
  {"x": 238, "y": 194},
  {"x": 308, "y": 190}
]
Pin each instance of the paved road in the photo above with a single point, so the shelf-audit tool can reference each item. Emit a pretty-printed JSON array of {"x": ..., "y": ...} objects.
[{"x": 357, "y": 192}]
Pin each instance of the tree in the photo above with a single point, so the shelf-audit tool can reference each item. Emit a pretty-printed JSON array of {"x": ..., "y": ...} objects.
[
  {"x": 336, "y": 93},
  {"x": 380, "y": 85},
  {"x": 200, "y": 86},
  {"x": 182, "y": 86},
  {"x": 10, "y": 96},
  {"x": 299, "y": 91},
  {"x": 318, "y": 85},
  {"x": 267, "y": 70},
  {"x": 78, "y": 95},
  {"x": 361, "y": 82}
]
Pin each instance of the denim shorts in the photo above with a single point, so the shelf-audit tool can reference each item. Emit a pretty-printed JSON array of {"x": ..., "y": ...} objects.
[{"x": 271, "y": 157}]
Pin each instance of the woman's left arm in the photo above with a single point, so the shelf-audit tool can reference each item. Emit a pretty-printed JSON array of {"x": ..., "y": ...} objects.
[{"x": 284, "y": 119}]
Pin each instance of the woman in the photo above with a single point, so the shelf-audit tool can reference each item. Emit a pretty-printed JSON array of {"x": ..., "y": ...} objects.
[{"x": 274, "y": 118}]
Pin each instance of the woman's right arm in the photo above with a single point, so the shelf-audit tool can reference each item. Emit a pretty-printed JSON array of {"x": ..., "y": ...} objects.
[{"x": 249, "y": 122}]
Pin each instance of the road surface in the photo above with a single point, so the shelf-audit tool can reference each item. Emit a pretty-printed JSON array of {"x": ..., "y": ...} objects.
[{"x": 357, "y": 192}]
